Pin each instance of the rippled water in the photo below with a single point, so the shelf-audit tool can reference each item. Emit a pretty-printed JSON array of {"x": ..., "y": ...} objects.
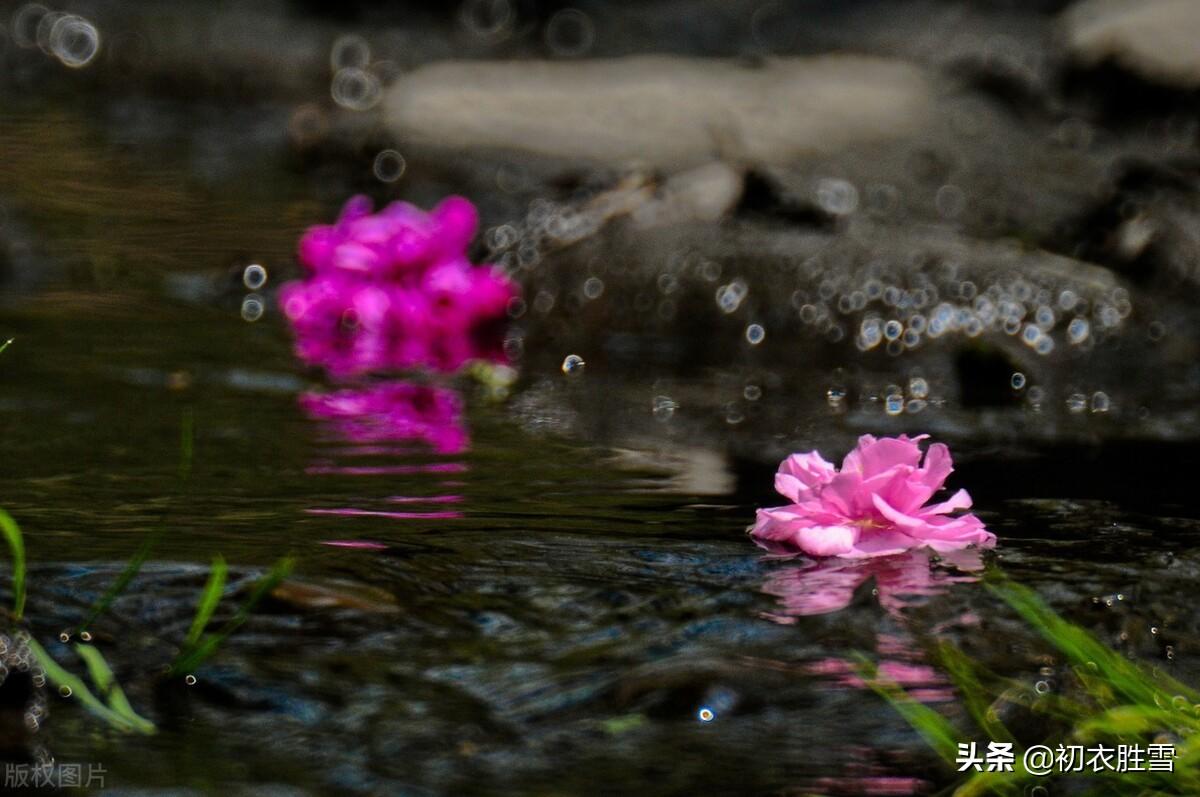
[{"x": 541, "y": 607}]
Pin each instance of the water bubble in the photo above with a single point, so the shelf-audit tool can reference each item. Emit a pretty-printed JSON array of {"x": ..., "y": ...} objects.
[
  {"x": 355, "y": 89},
  {"x": 1031, "y": 335},
  {"x": 731, "y": 296},
  {"x": 892, "y": 329},
  {"x": 1076, "y": 402},
  {"x": 837, "y": 197},
  {"x": 894, "y": 404},
  {"x": 570, "y": 33},
  {"x": 1042, "y": 687},
  {"x": 834, "y": 396},
  {"x": 1100, "y": 401},
  {"x": 544, "y": 302},
  {"x": 64, "y": 637},
  {"x": 752, "y": 392},
  {"x": 86, "y": 636},
  {"x": 1017, "y": 381},
  {"x": 1078, "y": 330},
  {"x": 1044, "y": 346},
  {"x": 950, "y": 201},
  {"x": 65, "y": 690},
  {"x": 190, "y": 680},
  {"x": 252, "y": 307},
  {"x": 349, "y": 51},
  {"x": 573, "y": 365},
  {"x": 389, "y": 166},
  {"x": 915, "y": 405},
  {"x": 593, "y": 287},
  {"x": 254, "y": 276},
  {"x": 74, "y": 41},
  {"x": 869, "y": 334},
  {"x": 755, "y": 334},
  {"x": 663, "y": 408},
  {"x": 25, "y": 22},
  {"x": 918, "y": 387},
  {"x": 1044, "y": 318},
  {"x": 487, "y": 19},
  {"x": 705, "y": 714}
]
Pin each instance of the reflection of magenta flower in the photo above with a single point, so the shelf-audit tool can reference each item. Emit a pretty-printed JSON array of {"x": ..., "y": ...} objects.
[
  {"x": 393, "y": 411},
  {"x": 394, "y": 290},
  {"x": 874, "y": 506},
  {"x": 824, "y": 586}
]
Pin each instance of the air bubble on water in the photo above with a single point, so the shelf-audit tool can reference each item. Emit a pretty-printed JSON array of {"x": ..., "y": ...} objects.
[
  {"x": 85, "y": 636},
  {"x": 64, "y": 637},
  {"x": 663, "y": 408},
  {"x": 355, "y": 89},
  {"x": 892, "y": 329},
  {"x": 1078, "y": 330},
  {"x": 752, "y": 392},
  {"x": 544, "y": 302},
  {"x": 869, "y": 334},
  {"x": 834, "y": 396},
  {"x": 349, "y": 51},
  {"x": 65, "y": 690},
  {"x": 254, "y": 276},
  {"x": 572, "y": 365},
  {"x": 570, "y": 33},
  {"x": 1042, "y": 687},
  {"x": 190, "y": 680},
  {"x": 487, "y": 19},
  {"x": 667, "y": 284},
  {"x": 252, "y": 307},
  {"x": 389, "y": 166},
  {"x": 705, "y": 714},
  {"x": 516, "y": 307},
  {"x": 731, "y": 296},
  {"x": 593, "y": 287},
  {"x": 918, "y": 387},
  {"x": 911, "y": 338},
  {"x": 1017, "y": 381},
  {"x": 917, "y": 324},
  {"x": 1012, "y": 326},
  {"x": 1067, "y": 300},
  {"x": 1044, "y": 318},
  {"x": 915, "y": 405},
  {"x": 1031, "y": 335},
  {"x": 1100, "y": 401},
  {"x": 1044, "y": 346},
  {"x": 74, "y": 41},
  {"x": 837, "y": 197},
  {"x": 894, "y": 404},
  {"x": 950, "y": 201},
  {"x": 1076, "y": 402},
  {"x": 755, "y": 334},
  {"x": 1035, "y": 394}
]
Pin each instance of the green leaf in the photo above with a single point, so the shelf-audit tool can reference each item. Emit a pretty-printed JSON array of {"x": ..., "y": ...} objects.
[
  {"x": 122, "y": 582},
  {"x": 16, "y": 545},
  {"x": 191, "y": 656},
  {"x": 966, "y": 676},
  {"x": 209, "y": 598},
  {"x": 60, "y": 677},
  {"x": 106, "y": 684},
  {"x": 937, "y": 731}
]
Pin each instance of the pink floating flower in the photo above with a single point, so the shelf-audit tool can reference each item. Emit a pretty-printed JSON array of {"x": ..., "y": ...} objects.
[
  {"x": 394, "y": 290},
  {"x": 876, "y": 505}
]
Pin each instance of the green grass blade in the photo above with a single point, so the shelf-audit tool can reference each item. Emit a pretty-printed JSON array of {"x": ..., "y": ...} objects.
[
  {"x": 110, "y": 690},
  {"x": 1122, "y": 675},
  {"x": 966, "y": 676},
  {"x": 16, "y": 545},
  {"x": 209, "y": 598},
  {"x": 6, "y": 344},
  {"x": 122, "y": 582},
  {"x": 191, "y": 657},
  {"x": 937, "y": 731},
  {"x": 60, "y": 677}
]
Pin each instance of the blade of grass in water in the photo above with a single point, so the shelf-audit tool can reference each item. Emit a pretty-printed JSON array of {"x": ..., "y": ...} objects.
[
  {"x": 209, "y": 599},
  {"x": 16, "y": 545},
  {"x": 6, "y": 344},
  {"x": 110, "y": 690},
  {"x": 122, "y": 582},
  {"x": 191, "y": 657},
  {"x": 60, "y": 678},
  {"x": 933, "y": 727}
]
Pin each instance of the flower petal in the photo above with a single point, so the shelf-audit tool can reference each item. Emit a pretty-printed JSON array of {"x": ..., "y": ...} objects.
[
  {"x": 800, "y": 474},
  {"x": 827, "y": 540}
]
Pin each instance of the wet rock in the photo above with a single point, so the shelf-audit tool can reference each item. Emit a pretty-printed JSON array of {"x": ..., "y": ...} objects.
[
  {"x": 664, "y": 111},
  {"x": 1156, "y": 39}
]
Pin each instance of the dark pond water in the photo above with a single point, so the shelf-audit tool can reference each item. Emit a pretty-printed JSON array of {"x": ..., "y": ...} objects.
[{"x": 544, "y": 607}]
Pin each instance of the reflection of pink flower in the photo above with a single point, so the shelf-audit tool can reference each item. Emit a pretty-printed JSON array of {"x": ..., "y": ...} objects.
[
  {"x": 394, "y": 290},
  {"x": 393, "y": 411},
  {"x": 874, "y": 506},
  {"x": 824, "y": 586}
]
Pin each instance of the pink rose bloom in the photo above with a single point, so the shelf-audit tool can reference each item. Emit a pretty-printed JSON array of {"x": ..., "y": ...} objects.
[
  {"x": 394, "y": 290},
  {"x": 876, "y": 505}
]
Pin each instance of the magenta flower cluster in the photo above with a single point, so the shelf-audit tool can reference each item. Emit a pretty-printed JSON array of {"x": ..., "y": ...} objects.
[{"x": 395, "y": 290}]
